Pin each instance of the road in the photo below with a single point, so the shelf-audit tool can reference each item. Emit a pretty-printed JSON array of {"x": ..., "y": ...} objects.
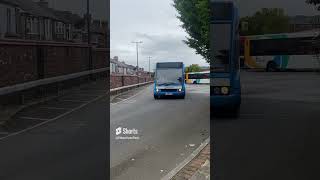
[
  {"x": 277, "y": 133},
  {"x": 275, "y": 137},
  {"x": 66, "y": 146},
  {"x": 71, "y": 143},
  {"x": 169, "y": 131}
]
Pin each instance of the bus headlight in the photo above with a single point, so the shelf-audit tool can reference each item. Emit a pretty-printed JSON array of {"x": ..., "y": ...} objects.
[
  {"x": 179, "y": 90},
  {"x": 225, "y": 90},
  {"x": 157, "y": 90}
]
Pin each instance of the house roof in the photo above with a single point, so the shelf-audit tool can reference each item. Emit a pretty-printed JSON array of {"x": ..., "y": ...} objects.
[
  {"x": 113, "y": 61},
  {"x": 122, "y": 64},
  {"x": 33, "y": 8},
  {"x": 10, "y": 2},
  {"x": 66, "y": 16},
  {"x": 131, "y": 67}
]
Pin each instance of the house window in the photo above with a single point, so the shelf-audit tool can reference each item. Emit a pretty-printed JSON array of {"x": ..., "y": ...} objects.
[
  {"x": 32, "y": 25},
  {"x": 35, "y": 26},
  {"x": 47, "y": 27},
  {"x": 58, "y": 28},
  {"x": 29, "y": 25},
  {"x": 61, "y": 29}
]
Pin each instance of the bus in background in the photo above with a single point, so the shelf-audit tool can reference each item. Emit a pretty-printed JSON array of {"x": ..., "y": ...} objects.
[
  {"x": 225, "y": 88},
  {"x": 169, "y": 80},
  {"x": 281, "y": 52},
  {"x": 198, "y": 77}
]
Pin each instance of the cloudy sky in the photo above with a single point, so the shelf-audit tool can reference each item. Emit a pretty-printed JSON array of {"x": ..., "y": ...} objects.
[{"x": 154, "y": 22}]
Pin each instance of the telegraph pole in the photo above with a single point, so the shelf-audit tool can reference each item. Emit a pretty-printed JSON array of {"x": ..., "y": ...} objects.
[
  {"x": 149, "y": 63},
  {"x": 89, "y": 34},
  {"x": 137, "y": 44}
]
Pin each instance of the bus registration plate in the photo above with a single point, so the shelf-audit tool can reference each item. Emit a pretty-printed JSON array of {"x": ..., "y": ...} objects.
[{"x": 169, "y": 94}]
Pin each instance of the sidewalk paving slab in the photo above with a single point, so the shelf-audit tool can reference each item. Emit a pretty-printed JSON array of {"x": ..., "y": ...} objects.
[{"x": 198, "y": 168}]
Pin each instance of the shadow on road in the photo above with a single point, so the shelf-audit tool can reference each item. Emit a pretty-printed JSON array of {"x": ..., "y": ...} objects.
[
  {"x": 170, "y": 98},
  {"x": 224, "y": 114}
]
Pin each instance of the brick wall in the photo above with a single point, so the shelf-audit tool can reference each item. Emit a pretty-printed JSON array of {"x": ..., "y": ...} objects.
[
  {"x": 123, "y": 80},
  {"x": 22, "y": 61},
  {"x": 17, "y": 64}
]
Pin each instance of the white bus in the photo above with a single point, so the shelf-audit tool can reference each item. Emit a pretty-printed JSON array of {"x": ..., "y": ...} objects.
[
  {"x": 287, "y": 51},
  {"x": 198, "y": 77}
]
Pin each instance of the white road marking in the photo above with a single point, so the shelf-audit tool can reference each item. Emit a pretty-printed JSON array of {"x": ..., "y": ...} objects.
[
  {"x": 85, "y": 95},
  {"x": 33, "y": 118},
  {"x": 103, "y": 91},
  {"x": 55, "y": 108},
  {"x": 51, "y": 120},
  {"x": 129, "y": 102},
  {"x": 128, "y": 98},
  {"x": 71, "y": 100}
]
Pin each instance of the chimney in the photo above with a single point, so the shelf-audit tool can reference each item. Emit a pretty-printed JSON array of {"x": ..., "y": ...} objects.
[{"x": 43, "y": 3}]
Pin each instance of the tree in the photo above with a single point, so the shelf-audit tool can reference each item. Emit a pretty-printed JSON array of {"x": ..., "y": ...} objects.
[
  {"x": 266, "y": 21},
  {"x": 314, "y": 2},
  {"x": 194, "y": 15},
  {"x": 193, "y": 68}
]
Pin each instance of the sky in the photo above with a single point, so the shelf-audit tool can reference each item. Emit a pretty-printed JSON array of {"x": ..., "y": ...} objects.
[{"x": 154, "y": 22}]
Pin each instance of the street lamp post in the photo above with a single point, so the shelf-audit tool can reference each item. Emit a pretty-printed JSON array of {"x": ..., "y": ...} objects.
[
  {"x": 149, "y": 63},
  {"x": 89, "y": 34},
  {"x": 137, "y": 44}
]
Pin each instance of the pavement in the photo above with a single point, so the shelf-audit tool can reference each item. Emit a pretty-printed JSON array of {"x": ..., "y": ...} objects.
[
  {"x": 277, "y": 133},
  {"x": 168, "y": 132},
  {"x": 198, "y": 168},
  {"x": 62, "y": 138}
]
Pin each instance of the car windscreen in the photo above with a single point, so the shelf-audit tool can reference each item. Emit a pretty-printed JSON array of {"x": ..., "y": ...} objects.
[{"x": 167, "y": 76}]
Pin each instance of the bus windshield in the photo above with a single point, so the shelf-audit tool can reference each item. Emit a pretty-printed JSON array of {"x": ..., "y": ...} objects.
[
  {"x": 169, "y": 76},
  {"x": 220, "y": 35}
]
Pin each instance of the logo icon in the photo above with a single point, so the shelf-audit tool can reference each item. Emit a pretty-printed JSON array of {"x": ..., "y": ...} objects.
[{"x": 118, "y": 130}]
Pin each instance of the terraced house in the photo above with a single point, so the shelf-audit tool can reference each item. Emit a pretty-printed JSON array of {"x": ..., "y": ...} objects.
[
  {"x": 26, "y": 19},
  {"x": 8, "y": 10}
]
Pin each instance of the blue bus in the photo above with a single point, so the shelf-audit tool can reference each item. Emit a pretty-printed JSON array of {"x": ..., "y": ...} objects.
[
  {"x": 225, "y": 87},
  {"x": 169, "y": 80}
]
